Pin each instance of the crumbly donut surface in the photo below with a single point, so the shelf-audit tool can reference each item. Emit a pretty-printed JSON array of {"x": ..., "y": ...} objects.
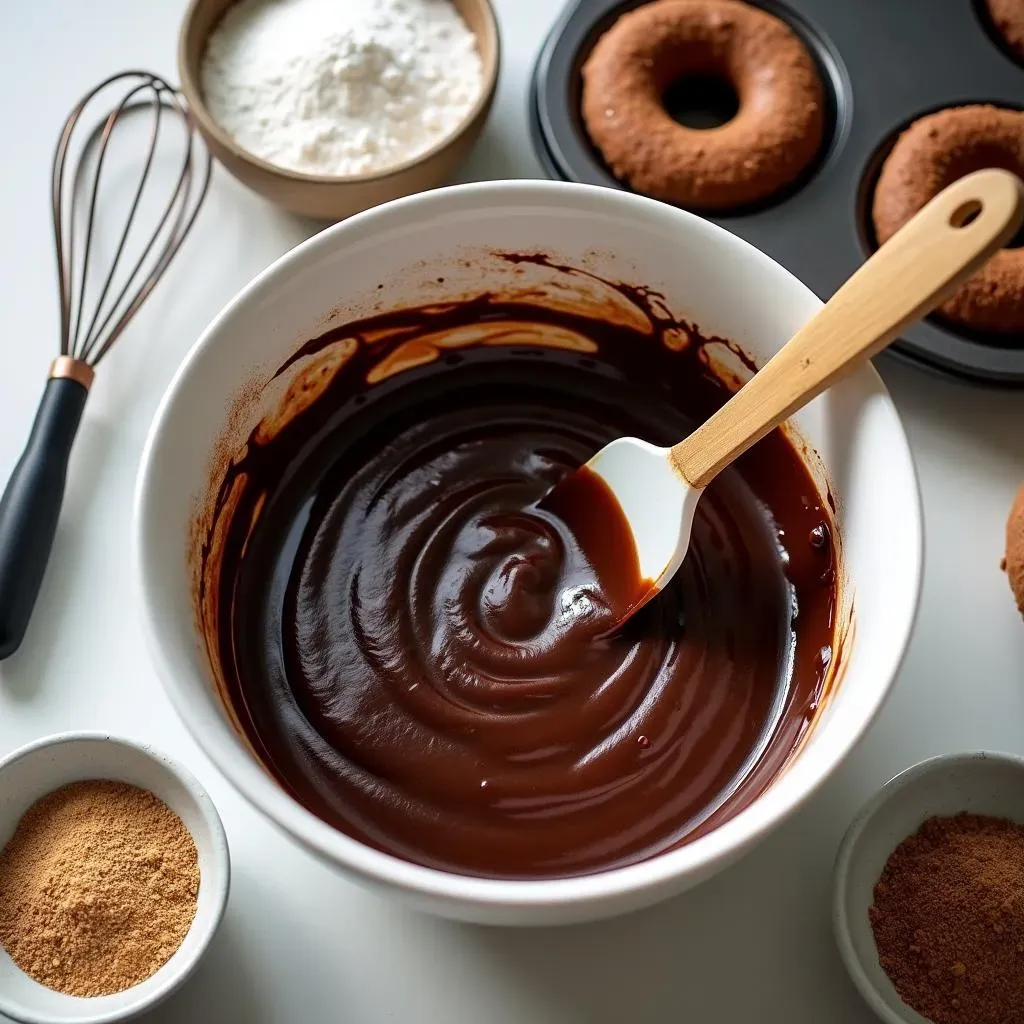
[
  {"x": 932, "y": 153},
  {"x": 1013, "y": 563},
  {"x": 775, "y": 135},
  {"x": 1008, "y": 18}
]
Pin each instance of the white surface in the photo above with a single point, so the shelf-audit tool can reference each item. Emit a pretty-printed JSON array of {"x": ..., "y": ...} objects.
[
  {"x": 439, "y": 245},
  {"x": 978, "y": 783},
  {"x": 29, "y": 774},
  {"x": 298, "y": 944}
]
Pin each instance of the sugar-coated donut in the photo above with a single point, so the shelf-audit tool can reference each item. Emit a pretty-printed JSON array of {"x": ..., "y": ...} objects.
[
  {"x": 776, "y": 133},
  {"x": 1008, "y": 18},
  {"x": 1013, "y": 562},
  {"x": 931, "y": 154}
]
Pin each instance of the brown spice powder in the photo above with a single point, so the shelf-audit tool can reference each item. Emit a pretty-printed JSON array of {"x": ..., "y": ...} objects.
[
  {"x": 98, "y": 887},
  {"x": 948, "y": 920}
]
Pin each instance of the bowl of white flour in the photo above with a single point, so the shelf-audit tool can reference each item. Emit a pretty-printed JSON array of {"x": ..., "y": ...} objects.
[{"x": 328, "y": 107}]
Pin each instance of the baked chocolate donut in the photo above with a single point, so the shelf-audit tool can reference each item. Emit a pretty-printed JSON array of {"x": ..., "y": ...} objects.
[
  {"x": 934, "y": 152},
  {"x": 773, "y": 138},
  {"x": 1013, "y": 562},
  {"x": 1008, "y": 18}
]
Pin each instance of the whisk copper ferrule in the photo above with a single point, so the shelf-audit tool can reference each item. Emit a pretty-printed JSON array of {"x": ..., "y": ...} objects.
[{"x": 68, "y": 368}]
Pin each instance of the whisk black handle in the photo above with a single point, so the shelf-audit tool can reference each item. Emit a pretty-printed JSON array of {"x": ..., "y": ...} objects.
[{"x": 30, "y": 506}]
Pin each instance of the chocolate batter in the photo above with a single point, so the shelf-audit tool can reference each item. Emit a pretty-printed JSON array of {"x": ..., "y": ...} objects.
[{"x": 419, "y": 651}]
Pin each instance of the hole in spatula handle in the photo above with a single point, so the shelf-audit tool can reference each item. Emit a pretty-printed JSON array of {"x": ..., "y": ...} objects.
[{"x": 966, "y": 213}]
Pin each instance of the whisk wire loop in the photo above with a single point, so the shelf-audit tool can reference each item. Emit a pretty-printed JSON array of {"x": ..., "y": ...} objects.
[
  {"x": 89, "y": 329},
  {"x": 105, "y": 136}
]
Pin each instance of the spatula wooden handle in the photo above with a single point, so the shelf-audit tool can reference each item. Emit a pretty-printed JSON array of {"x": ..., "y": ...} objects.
[{"x": 915, "y": 271}]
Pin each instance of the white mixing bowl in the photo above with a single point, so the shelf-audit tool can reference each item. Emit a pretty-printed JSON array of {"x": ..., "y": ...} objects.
[{"x": 394, "y": 255}]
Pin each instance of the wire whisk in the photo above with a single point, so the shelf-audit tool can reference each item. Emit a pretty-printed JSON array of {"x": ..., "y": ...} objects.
[
  {"x": 97, "y": 302},
  {"x": 89, "y": 339}
]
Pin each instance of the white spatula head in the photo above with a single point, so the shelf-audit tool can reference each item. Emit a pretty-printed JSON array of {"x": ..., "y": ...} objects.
[{"x": 631, "y": 513}]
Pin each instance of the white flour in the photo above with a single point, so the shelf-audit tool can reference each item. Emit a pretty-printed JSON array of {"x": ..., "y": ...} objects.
[{"x": 340, "y": 86}]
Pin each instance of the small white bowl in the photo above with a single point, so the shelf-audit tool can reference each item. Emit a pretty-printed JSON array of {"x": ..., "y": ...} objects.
[
  {"x": 978, "y": 783},
  {"x": 33, "y": 771}
]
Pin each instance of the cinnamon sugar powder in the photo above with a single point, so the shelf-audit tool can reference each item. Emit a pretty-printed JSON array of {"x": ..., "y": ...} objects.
[{"x": 98, "y": 887}]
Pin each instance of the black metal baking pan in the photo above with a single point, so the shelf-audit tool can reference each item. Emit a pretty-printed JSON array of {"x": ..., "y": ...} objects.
[{"x": 884, "y": 63}]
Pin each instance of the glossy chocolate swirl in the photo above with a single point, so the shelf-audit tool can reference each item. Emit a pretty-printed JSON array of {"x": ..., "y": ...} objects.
[{"x": 421, "y": 655}]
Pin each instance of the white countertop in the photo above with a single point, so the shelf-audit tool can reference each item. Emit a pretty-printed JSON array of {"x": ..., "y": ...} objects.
[{"x": 299, "y": 943}]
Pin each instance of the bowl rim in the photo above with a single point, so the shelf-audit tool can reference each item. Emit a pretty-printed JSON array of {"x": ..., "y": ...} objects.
[
  {"x": 860, "y": 824},
  {"x": 219, "y": 851},
  {"x": 190, "y": 76},
  {"x": 373, "y": 866}
]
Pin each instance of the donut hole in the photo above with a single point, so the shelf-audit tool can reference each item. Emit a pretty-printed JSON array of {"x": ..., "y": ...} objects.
[
  {"x": 981, "y": 157},
  {"x": 701, "y": 101}
]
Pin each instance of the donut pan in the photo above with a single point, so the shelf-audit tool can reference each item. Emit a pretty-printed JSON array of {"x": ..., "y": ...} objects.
[{"x": 884, "y": 64}]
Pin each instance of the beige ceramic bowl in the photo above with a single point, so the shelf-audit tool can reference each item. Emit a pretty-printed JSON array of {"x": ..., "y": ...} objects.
[{"x": 329, "y": 197}]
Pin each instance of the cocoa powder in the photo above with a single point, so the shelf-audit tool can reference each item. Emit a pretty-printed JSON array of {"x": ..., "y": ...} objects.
[
  {"x": 98, "y": 887},
  {"x": 948, "y": 920}
]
